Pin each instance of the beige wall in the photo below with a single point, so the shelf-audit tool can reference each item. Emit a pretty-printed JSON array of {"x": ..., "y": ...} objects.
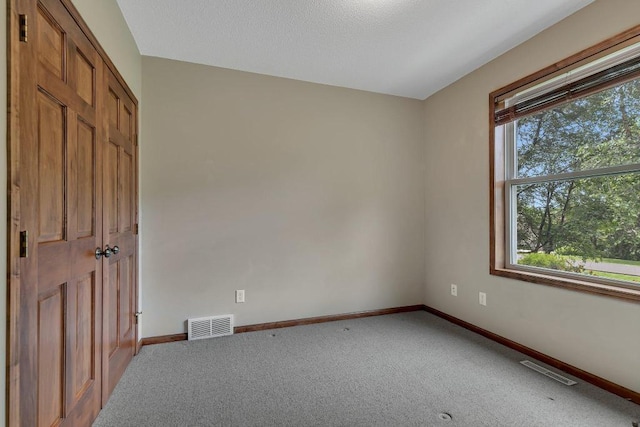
[
  {"x": 110, "y": 28},
  {"x": 308, "y": 197},
  {"x": 312, "y": 199},
  {"x": 598, "y": 334}
]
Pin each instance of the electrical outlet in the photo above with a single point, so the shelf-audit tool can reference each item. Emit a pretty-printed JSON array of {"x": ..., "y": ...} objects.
[
  {"x": 482, "y": 298},
  {"x": 239, "y": 296},
  {"x": 454, "y": 290}
]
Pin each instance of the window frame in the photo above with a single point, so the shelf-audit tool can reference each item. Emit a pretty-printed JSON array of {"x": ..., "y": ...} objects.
[{"x": 502, "y": 178}]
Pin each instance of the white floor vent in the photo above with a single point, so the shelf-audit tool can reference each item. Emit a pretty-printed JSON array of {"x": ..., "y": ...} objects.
[
  {"x": 550, "y": 374},
  {"x": 210, "y": 327}
]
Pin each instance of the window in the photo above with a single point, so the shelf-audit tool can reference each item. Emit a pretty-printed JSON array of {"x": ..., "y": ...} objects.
[{"x": 565, "y": 154}]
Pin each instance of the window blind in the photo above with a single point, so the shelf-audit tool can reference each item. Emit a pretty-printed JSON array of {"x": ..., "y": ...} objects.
[{"x": 521, "y": 105}]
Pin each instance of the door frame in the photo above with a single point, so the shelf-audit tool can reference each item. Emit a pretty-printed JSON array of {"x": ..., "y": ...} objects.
[{"x": 14, "y": 345}]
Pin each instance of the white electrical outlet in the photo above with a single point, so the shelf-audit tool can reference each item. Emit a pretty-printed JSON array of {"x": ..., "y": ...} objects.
[
  {"x": 239, "y": 296},
  {"x": 454, "y": 290},
  {"x": 482, "y": 298}
]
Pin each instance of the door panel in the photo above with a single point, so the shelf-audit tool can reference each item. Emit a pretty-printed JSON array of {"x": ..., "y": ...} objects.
[
  {"x": 85, "y": 339},
  {"x": 125, "y": 122},
  {"x": 86, "y": 161},
  {"x": 111, "y": 187},
  {"x": 126, "y": 296},
  {"x": 51, "y": 147},
  {"x": 112, "y": 109},
  {"x": 85, "y": 78},
  {"x": 119, "y": 217},
  {"x": 51, "y": 357},
  {"x": 50, "y": 44},
  {"x": 73, "y": 181},
  {"x": 113, "y": 310},
  {"x": 62, "y": 309},
  {"x": 125, "y": 211}
]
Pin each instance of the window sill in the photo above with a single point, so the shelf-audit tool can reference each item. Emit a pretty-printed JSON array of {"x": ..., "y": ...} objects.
[{"x": 623, "y": 293}]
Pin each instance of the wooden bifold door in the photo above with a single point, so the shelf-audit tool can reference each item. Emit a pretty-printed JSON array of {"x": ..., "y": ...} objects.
[{"x": 73, "y": 202}]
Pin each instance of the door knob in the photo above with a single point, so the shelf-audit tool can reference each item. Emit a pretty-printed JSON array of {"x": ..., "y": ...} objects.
[
  {"x": 107, "y": 252},
  {"x": 99, "y": 252}
]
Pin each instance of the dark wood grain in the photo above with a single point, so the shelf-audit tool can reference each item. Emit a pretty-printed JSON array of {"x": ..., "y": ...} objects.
[
  {"x": 55, "y": 135},
  {"x": 119, "y": 213},
  {"x": 59, "y": 322},
  {"x": 626, "y": 294},
  {"x": 162, "y": 339},
  {"x": 558, "y": 364},
  {"x": 323, "y": 319},
  {"x": 17, "y": 64}
]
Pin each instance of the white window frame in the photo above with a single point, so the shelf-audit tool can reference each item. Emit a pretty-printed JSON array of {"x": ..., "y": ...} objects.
[{"x": 512, "y": 181}]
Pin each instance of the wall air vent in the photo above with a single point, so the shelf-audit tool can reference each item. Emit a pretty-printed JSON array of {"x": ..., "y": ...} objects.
[
  {"x": 550, "y": 374},
  {"x": 210, "y": 327}
]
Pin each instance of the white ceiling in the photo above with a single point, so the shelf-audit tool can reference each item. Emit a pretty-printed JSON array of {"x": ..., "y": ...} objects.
[{"x": 409, "y": 48}]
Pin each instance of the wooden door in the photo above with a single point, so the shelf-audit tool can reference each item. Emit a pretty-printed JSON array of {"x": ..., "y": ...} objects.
[
  {"x": 73, "y": 192},
  {"x": 61, "y": 203},
  {"x": 120, "y": 275}
]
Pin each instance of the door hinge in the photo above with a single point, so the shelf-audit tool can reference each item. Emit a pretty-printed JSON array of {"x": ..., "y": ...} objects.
[
  {"x": 24, "y": 244},
  {"x": 23, "y": 28},
  {"x": 135, "y": 229},
  {"x": 138, "y": 314}
]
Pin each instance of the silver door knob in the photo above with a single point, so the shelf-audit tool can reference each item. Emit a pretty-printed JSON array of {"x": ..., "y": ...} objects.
[
  {"x": 107, "y": 252},
  {"x": 99, "y": 252}
]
